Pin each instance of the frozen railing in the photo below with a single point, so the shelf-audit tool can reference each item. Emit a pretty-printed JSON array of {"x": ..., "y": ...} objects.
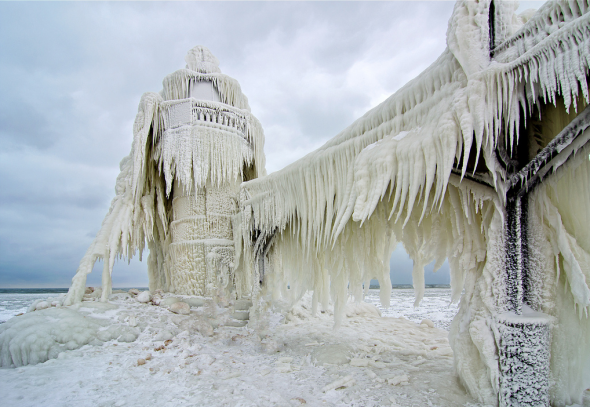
[{"x": 193, "y": 112}]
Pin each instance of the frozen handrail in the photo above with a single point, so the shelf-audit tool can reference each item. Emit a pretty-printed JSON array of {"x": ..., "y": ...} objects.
[{"x": 193, "y": 112}]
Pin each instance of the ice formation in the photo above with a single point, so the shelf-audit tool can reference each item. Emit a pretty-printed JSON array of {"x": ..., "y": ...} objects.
[
  {"x": 482, "y": 160},
  {"x": 435, "y": 167},
  {"x": 193, "y": 144},
  {"x": 44, "y": 334}
]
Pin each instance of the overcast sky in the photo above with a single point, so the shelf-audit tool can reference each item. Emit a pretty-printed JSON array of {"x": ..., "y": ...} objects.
[{"x": 71, "y": 76}]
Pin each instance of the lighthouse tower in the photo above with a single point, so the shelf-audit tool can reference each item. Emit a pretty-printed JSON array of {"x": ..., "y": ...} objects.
[
  {"x": 194, "y": 143},
  {"x": 197, "y": 116}
]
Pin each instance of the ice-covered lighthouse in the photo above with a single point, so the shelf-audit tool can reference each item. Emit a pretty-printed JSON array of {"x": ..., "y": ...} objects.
[{"x": 194, "y": 143}]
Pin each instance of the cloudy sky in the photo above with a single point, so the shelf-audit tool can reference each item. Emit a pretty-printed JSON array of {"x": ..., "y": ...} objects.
[{"x": 71, "y": 75}]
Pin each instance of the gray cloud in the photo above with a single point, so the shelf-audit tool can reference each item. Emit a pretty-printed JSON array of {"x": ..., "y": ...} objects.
[{"x": 21, "y": 124}]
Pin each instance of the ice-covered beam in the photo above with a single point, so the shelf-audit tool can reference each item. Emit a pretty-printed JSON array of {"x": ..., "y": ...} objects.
[{"x": 558, "y": 152}]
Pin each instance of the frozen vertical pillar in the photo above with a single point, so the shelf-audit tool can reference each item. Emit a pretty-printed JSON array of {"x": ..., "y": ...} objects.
[
  {"x": 523, "y": 336},
  {"x": 524, "y": 343},
  {"x": 202, "y": 245},
  {"x": 189, "y": 231},
  {"x": 516, "y": 253},
  {"x": 219, "y": 246}
]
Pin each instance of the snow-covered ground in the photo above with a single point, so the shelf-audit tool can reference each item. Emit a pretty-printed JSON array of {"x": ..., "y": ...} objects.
[{"x": 279, "y": 359}]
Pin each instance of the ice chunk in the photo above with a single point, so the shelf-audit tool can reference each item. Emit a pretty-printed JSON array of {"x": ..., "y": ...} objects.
[
  {"x": 122, "y": 333},
  {"x": 361, "y": 309},
  {"x": 166, "y": 302},
  {"x": 194, "y": 301},
  {"x": 427, "y": 322},
  {"x": 163, "y": 335},
  {"x": 400, "y": 379},
  {"x": 42, "y": 335},
  {"x": 144, "y": 297},
  {"x": 180, "y": 308},
  {"x": 42, "y": 305},
  {"x": 359, "y": 362},
  {"x": 332, "y": 354}
]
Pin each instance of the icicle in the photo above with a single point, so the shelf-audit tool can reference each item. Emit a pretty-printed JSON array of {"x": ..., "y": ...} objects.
[{"x": 401, "y": 172}]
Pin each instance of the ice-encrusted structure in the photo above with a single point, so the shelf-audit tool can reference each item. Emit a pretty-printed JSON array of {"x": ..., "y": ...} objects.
[
  {"x": 482, "y": 160},
  {"x": 193, "y": 144}
]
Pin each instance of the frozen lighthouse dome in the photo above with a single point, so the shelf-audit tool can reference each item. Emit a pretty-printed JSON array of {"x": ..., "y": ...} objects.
[
  {"x": 194, "y": 143},
  {"x": 200, "y": 59}
]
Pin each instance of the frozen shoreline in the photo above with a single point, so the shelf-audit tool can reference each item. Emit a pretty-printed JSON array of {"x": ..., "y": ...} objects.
[{"x": 278, "y": 360}]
